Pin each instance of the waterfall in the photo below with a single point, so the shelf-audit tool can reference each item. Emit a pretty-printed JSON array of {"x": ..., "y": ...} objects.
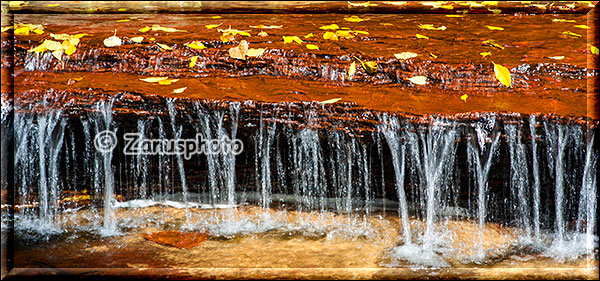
[
  {"x": 481, "y": 155},
  {"x": 519, "y": 179},
  {"x": 177, "y": 135},
  {"x": 536, "y": 178},
  {"x": 556, "y": 139},
  {"x": 398, "y": 151},
  {"x": 104, "y": 122},
  {"x": 588, "y": 196},
  {"x": 262, "y": 161}
]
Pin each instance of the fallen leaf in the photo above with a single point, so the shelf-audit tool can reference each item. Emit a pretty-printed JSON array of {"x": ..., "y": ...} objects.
[
  {"x": 405, "y": 55},
  {"x": 163, "y": 46},
  {"x": 308, "y": 35},
  {"x": 485, "y": 54},
  {"x": 419, "y": 80},
  {"x": 255, "y": 52},
  {"x": 495, "y": 11},
  {"x": 179, "y": 91},
  {"x": 344, "y": 34},
  {"x": 239, "y": 52},
  {"x": 230, "y": 31},
  {"x": 290, "y": 39},
  {"x": 124, "y": 20},
  {"x": 112, "y": 41},
  {"x": 329, "y": 36},
  {"x": 52, "y": 5},
  {"x": 582, "y": 26},
  {"x": 360, "y": 32},
  {"x": 122, "y": 9},
  {"x": 502, "y": 74},
  {"x": 156, "y": 27},
  {"x": 569, "y": 33},
  {"x": 193, "y": 61},
  {"x": 493, "y": 43},
  {"x": 58, "y": 53},
  {"x": 329, "y": 27},
  {"x": 266, "y": 26},
  {"x": 167, "y": 81},
  {"x": 430, "y": 27},
  {"x": 494, "y": 27},
  {"x": 396, "y": 3},
  {"x": 153, "y": 79},
  {"x": 464, "y": 97},
  {"x": 351, "y": 70},
  {"x": 563, "y": 20},
  {"x": 211, "y": 26},
  {"x": 432, "y": 55},
  {"x": 454, "y": 16},
  {"x": 22, "y": 31},
  {"x": 594, "y": 50},
  {"x": 353, "y": 19},
  {"x": 557, "y": 57},
  {"x": 137, "y": 39},
  {"x": 330, "y": 101},
  {"x": 419, "y": 36},
  {"x": 369, "y": 66},
  {"x": 196, "y": 45},
  {"x": 312, "y": 47},
  {"x": 263, "y": 34},
  {"x": 145, "y": 29},
  {"x": 363, "y": 4}
]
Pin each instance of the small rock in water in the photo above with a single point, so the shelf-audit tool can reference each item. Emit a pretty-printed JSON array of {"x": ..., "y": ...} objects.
[{"x": 181, "y": 240}]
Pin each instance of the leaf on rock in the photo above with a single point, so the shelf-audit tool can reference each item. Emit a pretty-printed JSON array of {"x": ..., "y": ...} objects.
[
  {"x": 464, "y": 97},
  {"x": 485, "y": 54},
  {"x": 137, "y": 39},
  {"x": 419, "y": 36},
  {"x": 582, "y": 26},
  {"x": 353, "y": 19},
  {"x": 569, "y": 33},
  {"x": 263, "y": 34},
  {"x": 21, "y": 31},
  {"x": 419, "y": 80},
  {"x": 167, "y": 81},
  {"x": 563, "y": 20},
  {"x": 145, "y": 29},
  {"x": 153, "y": 79},
  {"x": 493, "y": 43},
  {"x": 193, "y": 61},
  {"x": 239, "y": 52},
  {"x": 557, "y": 57},
  {"x": 179, "y": 91},
  {"x": 594, "y": 50},
  {"x": 352, "y": 70},
  {"x": 405, "y": 55},
  {"x": 196, "y": 45},
  {"x": 156, "y": 27},
  {"x": 494, "y": 27},
  {"x": 369, "y": 66},
  {"x": 502, "y": 74},
  {"x": 255, "y": 52},
  {"x": 329, "y": 27},
  {"x": 163, "y": 46},
  {"x": 266, "y": 26},
  {"x": 112, "y": 41},
  {"x": 330, "y": 101},
  {"x": 430, "y": 27},
  {"x": 308, "y": 35},
  {"x": 58, "y": 53},
  {"x": 312, "y": 47},
  {"x": 363, "y": 4},
  {"x": 211, "y": 26},
  {"x": 329, "y": 36},
  {"x": 290, "y": 39},
  {"x": 432, "y": 55}
]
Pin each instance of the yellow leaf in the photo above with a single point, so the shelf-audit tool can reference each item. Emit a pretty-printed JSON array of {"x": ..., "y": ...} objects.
[
  {"x": 263, "y": 34},
  {"x": 53, "y": 45},
  {"x": 369, "y": 66},
  {"x": 196, "y": 45},
  {"x": 405, "y": 55},
  {"x": 312, "y": 47},
  {"x": 330, "y": 36},
  {"x": 16, "y": 4},
  {"x": 344, "y": 34},
  {"x": 490, "y": 3},
  {"x": 430, "y": 27},
  {"x": 308, "y": 35},
  {"x": 557, "y": 57},
  {"x": 78, "y": 36},
  {"x": 419, "y": 36},
  {"x": 494, "y": 27},
  {"x": 569, "y": 33},
  {"x": 211, "y": 26},
  {"x": 266, "y": 26},
  {"x": 495, "y": 11},
  {"x": 419, "y": 80},
  {"x": 255, "y": 52},
  {"x": 193, "y": 61},
  {"x": 502, "y": 74},
  {"x": 363, "y": 4},
  {"x": 163, "y": 46},
  {"x": 447, "y": 7},
  {"x": 464, "y": 97},
  {"x": 330, "y": 101},
  {"x": 151, "y": 39},
  {"x": 386, "y": 24},
  {"x": 239, "y": 52},
  {"x": 290, "y": 39},
  {"x": 22, "y": 31},
  {"x": 594, "y": 50},
  {"x": 485, "y": 54},
  {"x": 216, "y": 17},
  {"x": 360, "y": 32},
  {"x": 354, "y": 19},
  {"x": 582, "y": 26},
  {"x": 145, "y": 29},
  {"x": 331, "y": 26},
  {"x": 70, "y": 49},
  {"x": 57, "y": 54},
  {"x": 6, "y": 28},
  {"x": 122, "y": 9},
  {"x": 396, "y": 3},
  {"x": 563, "y": 20},
  {"x": 112, "y": 41},
  {"x": 153, "y": 79},
  {"x": 38, "y": 31},
  {"x": 167, "y": 81},
  {"x": 124, "y": 20},
  {"x": 137, "y": 39},
  {"x": 352, "y": 70},
  {"x": 493, "y": 43},
  {"x": 179, "y": 91},
  {"x": 230, "y": 31},
  {"x": 454, "y": 16},
  {"x": 432, "y": 55},
  {"x": 52, "y": 5},
  {"x": 156, "y": 27}
]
